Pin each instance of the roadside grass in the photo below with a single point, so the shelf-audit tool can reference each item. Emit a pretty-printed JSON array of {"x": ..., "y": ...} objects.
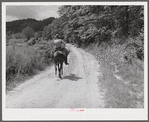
[
  {"x": 25, "y": 61},
  {"x": 16, "y": 41},
  {"x": 123, "y": 82}
]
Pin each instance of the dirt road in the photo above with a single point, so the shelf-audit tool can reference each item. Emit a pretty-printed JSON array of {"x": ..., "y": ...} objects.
[{"x": 79, "y": 87}]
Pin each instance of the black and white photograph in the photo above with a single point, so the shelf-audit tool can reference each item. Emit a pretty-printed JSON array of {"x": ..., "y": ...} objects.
[{"x": 84, "y": 59}]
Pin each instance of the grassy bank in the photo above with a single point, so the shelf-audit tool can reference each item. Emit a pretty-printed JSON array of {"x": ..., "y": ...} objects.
[
  {"x": 122, "y": 81},
  {"x": 23, "y": 61}
]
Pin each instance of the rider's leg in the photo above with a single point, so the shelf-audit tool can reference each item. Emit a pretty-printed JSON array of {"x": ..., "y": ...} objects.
[
  {"x": 66, "y": 61},
  {"x": 65, "y": 52},
  {"x": 55, "y": 69}
]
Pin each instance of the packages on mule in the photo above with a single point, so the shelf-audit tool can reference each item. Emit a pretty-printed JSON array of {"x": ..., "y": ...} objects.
[{"x": 60, "y": 44}]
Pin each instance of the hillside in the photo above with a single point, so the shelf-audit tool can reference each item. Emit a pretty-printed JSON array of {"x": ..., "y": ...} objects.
[{"x": 18, "y": 25}]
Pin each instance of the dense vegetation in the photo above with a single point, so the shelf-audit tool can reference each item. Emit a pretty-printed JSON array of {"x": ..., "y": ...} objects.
[
  {"x": 85, "y": 25},
  {"x": 23, "y": 61}
]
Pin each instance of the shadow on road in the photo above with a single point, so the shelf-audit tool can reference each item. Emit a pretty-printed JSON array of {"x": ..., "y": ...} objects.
[{"x": 72, "y": 77}]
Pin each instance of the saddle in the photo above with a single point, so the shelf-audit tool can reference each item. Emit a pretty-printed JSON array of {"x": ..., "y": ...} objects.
[{"x": 58, "y": 50}]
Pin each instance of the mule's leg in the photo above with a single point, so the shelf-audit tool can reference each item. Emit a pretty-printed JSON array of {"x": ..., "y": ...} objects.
[
  {"x": 55, "y": 69},
  {"x": 59, "y": 69},
  {"x": 62, "y": 68}
]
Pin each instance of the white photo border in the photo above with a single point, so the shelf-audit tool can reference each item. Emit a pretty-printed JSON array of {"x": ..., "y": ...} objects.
[{"x": 66, "y": 114}]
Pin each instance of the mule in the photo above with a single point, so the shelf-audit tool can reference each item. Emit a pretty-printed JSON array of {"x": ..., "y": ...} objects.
[{"x": 59, "y": 59}]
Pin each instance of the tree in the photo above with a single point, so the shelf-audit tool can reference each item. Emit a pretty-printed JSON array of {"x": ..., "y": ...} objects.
[
  {"x": 47, "y": 32},
  {"x": 28, "y": 32},
  {"x": 17, "y": 35},
  {"x": 37, "y": 35}
]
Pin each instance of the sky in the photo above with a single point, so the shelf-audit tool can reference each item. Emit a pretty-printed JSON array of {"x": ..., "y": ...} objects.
[{"x": 37, "y": 12}]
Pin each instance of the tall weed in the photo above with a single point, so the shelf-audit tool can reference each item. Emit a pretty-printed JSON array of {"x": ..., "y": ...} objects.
[
  {"x": 123, "y": 81},
  {"x": 25, "y": 61}
]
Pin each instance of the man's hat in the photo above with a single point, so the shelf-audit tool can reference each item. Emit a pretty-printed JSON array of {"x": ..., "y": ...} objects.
[{"x": 57, "y": 36}]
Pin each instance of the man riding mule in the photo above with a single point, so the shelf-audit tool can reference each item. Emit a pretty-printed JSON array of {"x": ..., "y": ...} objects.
[
  {"x": 60, "y": 46},
  {"x": 59, "y": 54}
]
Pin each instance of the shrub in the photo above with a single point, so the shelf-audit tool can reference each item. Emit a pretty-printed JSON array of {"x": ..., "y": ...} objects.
[
  {"x": 28, "y": 32},
  {"x": 31, "y": 42},
  {"x": 26, "y": 61}
]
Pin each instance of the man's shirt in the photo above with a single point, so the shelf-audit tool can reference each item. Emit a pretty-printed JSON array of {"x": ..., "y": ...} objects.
[{"x": 59, "y": 43}]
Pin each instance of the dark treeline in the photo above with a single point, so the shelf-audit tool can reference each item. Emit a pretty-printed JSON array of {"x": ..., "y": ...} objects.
[{"x": 18, "y": 25}]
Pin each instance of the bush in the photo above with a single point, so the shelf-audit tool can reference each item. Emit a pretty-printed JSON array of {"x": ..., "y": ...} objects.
[
  {"x": 28, "y": 32},
  {"x": 26, "y": 61},
  {"x": 31, "y": 42},
  {"x": 19, "y": 61},
  {"x": 135, "y": 48}
]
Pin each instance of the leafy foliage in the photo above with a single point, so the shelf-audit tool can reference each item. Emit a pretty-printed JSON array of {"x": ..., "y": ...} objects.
[
  {"x": 38, "y": 34},
  {"x": 26, "y": 60},
  {"x": 88, "y": 24},
  {"x": 95, "y": 24},
  {"x": 28, "y": 32},
  {"x": 91, "y": 24}
]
